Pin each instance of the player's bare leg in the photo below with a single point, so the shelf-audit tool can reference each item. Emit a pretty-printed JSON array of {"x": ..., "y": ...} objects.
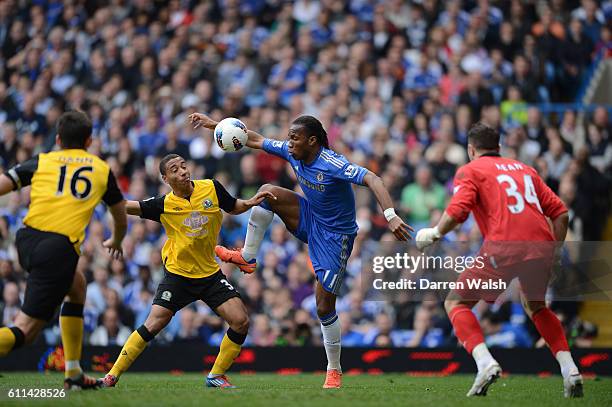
[
  {"x": 549, "y": 326},
  {"x": 71, "y": 327},
  {"x": 330, "y": 326},
  {"x": 235, "y": 314},
  {"x": 23, "y": 332},
  {"x": 469, "y": 333},
  {"x": 157, "y": 320},
  {"x": 286, "y": 206},
  {"x": 27, "y": 328}
]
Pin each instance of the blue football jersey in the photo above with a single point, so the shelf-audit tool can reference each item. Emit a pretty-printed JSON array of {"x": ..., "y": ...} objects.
[{"x": 326, "y": 184}]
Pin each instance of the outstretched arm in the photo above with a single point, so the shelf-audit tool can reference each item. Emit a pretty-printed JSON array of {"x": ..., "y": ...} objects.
[
  {"x": 234, "y": 206},
  {"x": 6, "y": 185},
  {"x": 255, "y": 140},
  {"x": 428, "y": 236},
  {"x": 244, "y": 205},
  {"x": 396, "y": 225},
  {"x": 133, "y": 208},
  {"x": 19, "y": 176},
  {"x": 113, "y": 244}
]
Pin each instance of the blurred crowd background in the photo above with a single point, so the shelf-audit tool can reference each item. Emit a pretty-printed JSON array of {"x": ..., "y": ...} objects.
[{"x": 397, "y": 85}]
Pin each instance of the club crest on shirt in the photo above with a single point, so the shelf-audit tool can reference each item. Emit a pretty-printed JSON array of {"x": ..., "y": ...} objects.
[
  {"x": 320, "y": 177},
  {"x": 207, "y": 203}
]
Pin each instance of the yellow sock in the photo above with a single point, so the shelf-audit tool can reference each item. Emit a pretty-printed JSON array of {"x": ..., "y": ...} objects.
[
  {"x": 227, "y": 353},
  {"x": 71, "y": 327},
  {"x": 7, "y": 341},
  {"x": 130, "y": 351}
]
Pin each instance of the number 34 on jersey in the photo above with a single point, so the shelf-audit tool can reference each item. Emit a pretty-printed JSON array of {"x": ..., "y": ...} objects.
[{"x": 509, "y": 200}]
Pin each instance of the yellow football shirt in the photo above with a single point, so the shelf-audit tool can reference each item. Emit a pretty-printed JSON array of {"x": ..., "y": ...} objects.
[
  {"x": 66, "y": 187},
  {"x": 192, "y": 226}
]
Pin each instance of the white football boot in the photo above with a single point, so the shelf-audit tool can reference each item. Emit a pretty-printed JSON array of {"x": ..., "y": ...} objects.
[
  {"x": 484, "y": 379},
  {"x": 572, "y": 385}
]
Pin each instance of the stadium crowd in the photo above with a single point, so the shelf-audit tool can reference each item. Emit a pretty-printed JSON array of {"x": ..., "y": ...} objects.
[{"x": 396, "y": 84}]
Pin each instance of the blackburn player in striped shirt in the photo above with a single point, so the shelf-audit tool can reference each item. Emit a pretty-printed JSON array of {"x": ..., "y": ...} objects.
[{"x": 324, "y": 218}]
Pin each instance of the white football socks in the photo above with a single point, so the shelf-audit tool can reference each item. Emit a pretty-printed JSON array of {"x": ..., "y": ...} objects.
[
  {"x": 566, "y": 362},
  {"x": 482, "y": 356},
  {"x": 331, "y": 340},
  {"x": 259, "y": 221}
]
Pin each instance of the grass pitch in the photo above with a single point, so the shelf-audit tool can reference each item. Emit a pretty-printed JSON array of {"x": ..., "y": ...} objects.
[{"x": 164, "y": 389}]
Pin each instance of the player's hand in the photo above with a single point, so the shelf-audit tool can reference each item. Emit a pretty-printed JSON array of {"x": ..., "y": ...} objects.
[
  {"x": 201, "y": 120},
  {"x": 260, "y": 197},
  {"x": 400, "y": 229},
  {"x": 114, "y": 248},
  {"x": 426, "y": 237}
]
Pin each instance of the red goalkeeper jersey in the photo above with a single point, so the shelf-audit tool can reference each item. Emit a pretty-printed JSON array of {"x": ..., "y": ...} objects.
[{"x": 509, "y": 200}]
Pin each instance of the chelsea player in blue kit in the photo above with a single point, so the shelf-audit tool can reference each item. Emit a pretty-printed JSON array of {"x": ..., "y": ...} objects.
[{"x": 324, "y": 218}]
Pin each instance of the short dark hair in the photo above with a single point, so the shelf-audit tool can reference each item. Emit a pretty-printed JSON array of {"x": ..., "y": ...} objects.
[
  {"x": 74, "y": 128},
  {"x": 164, "y": 161},
  {"x": 483, "y": 137},
  {"x": 313, "y": 128}
]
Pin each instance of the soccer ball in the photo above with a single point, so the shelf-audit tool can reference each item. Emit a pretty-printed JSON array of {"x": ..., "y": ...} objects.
[{"x": 231, "y": 134}]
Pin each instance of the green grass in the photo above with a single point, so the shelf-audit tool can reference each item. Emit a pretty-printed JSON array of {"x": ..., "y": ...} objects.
[{"x": 138, "y": 389}]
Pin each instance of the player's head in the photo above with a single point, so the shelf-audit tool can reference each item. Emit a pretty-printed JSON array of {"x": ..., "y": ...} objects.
[
  {"x": 73, "y": 130},
  {"x": 482, "y": 139},
  {"x": 306, "y": 135},
  {"x": 174, "y": 171}
]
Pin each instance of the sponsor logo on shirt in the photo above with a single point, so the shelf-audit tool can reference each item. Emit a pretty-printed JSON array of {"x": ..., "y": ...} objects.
[
  {"x": 308, "y": 184},
  {"x": 195, "y": 221}
]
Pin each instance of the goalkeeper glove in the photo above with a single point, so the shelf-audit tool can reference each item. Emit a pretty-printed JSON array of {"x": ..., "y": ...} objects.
[{"x": 426, "y": 237}]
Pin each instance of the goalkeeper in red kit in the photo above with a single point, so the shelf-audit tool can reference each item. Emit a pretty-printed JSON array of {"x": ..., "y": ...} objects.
[{"x": 511, "y": 204}]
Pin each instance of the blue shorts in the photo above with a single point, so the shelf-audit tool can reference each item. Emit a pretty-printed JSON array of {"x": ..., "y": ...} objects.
[{"x": 329, "y": 251}]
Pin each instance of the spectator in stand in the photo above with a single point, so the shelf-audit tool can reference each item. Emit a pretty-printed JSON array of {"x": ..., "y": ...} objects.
[
  {"x": 556, "y": 158},
  {"x": 96, "y": 290},
  {"x": 10, "y": 303},
  {"x": 499, "y": 333},
  {"x": 111, "y": 331},
  {"x": 475, "y": 95},
  {"x": 422, "y": 196}
]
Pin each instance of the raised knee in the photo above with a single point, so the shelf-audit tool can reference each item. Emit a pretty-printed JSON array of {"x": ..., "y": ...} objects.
[
  {"x": 273, "y": 189},
  {"x": 267, "y": 188}
]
